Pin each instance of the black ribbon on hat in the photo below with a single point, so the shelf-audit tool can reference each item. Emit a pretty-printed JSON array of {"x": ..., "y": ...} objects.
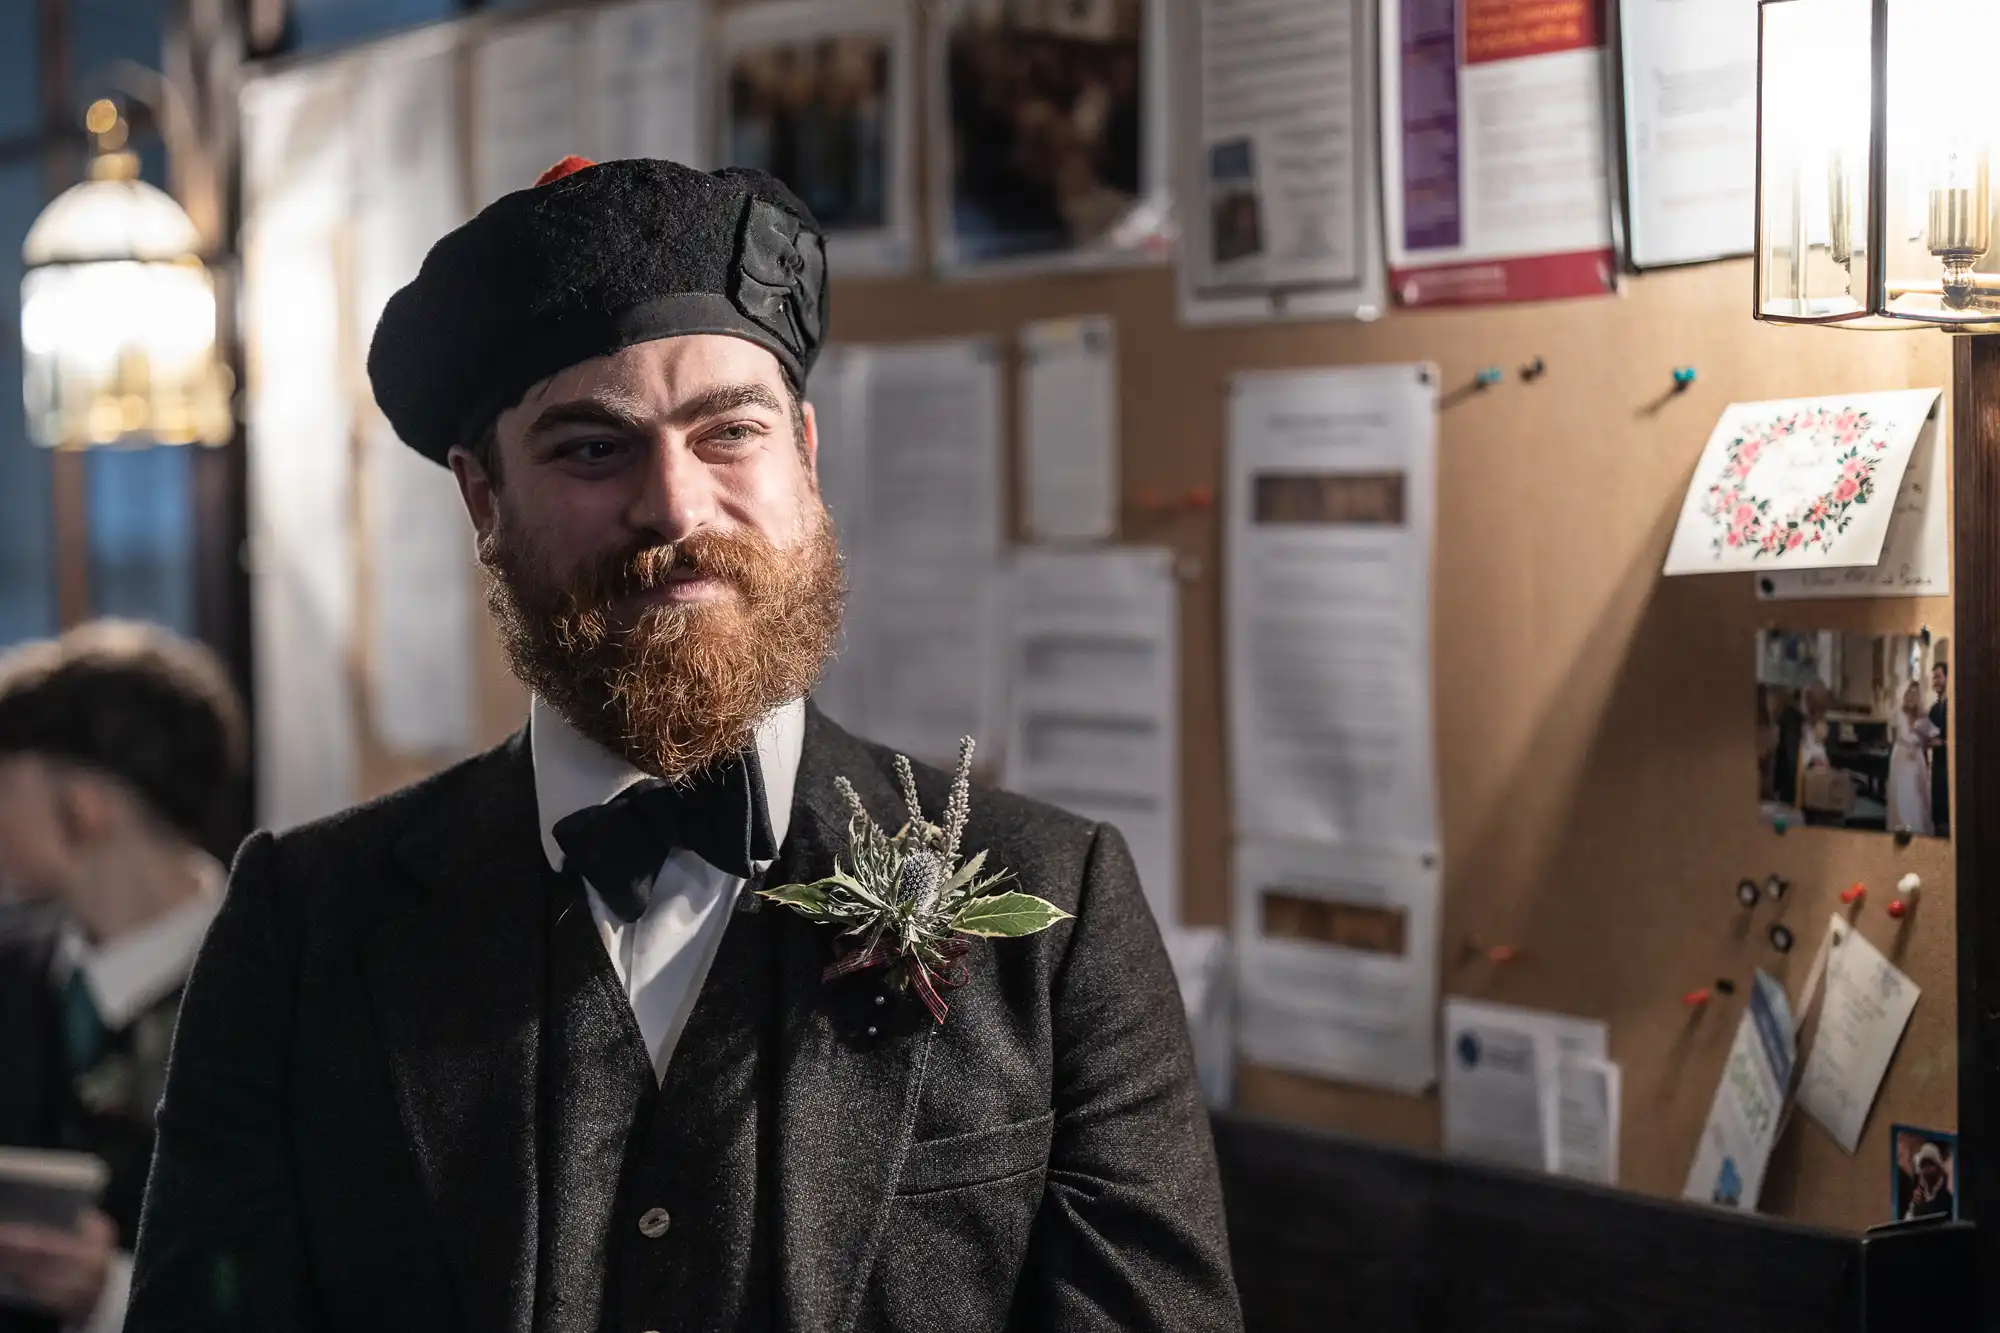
[
  {"x": 721, "y": 815},
  {"x": 781, "y": 278}
]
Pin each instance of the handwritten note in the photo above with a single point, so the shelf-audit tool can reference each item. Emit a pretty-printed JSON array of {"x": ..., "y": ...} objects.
[{"x": 1868, "y": 1004}]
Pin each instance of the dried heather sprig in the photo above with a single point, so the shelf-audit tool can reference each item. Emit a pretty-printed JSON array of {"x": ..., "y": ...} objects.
[
  {"x": 853, "y": 799},
  {"x": 908, "y": 777},
  {"x": 960, "y": 808}
]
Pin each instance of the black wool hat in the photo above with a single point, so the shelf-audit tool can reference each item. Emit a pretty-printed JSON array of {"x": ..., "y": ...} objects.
[{"x": 592, "y": 259}]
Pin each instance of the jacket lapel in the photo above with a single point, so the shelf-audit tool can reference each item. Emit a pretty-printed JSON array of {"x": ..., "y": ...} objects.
[
  {"x": 457, "y": 979},
  {"x": 849, "y": 1070}
]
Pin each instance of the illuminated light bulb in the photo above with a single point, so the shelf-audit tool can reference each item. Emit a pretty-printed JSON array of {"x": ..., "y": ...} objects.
[{"x": 1959, "y": 228}]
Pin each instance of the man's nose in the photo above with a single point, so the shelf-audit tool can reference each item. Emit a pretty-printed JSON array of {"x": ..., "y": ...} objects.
[{"x": 677, "y": 496}]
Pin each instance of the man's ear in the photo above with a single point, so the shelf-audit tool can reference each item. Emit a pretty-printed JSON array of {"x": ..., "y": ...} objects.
[
  {"x": 481, "y": 496},
  {"x": 811, "y": 419}
]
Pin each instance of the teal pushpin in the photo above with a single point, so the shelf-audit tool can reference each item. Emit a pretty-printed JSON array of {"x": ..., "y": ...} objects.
[
  {"x": 1683, "y": 376},
  {"x": 1489, "y": 377}
]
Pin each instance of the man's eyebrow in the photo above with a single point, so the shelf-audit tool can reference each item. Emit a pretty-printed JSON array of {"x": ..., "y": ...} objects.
[
  {"x": 714, "y": 402},
  {"x": 585, "y": 412},
  {"x": 629, "y": 416}
]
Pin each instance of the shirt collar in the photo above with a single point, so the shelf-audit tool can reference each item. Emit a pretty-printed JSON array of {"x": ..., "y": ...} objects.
[
  {"x": 142, "y": 967},
  {"x": 573, "y": 772}
]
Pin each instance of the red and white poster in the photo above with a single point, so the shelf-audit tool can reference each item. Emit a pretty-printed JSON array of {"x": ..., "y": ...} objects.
[{"x": 1493, "y": 150}]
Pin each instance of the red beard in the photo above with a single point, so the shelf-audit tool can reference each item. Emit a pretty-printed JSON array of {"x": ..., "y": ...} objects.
[{"x": 676, "y": 686}]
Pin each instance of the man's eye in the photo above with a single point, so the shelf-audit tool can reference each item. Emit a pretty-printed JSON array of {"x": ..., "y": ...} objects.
[
  {"x": 735, "y": 433},
  {"x": 592, "y": 451}
]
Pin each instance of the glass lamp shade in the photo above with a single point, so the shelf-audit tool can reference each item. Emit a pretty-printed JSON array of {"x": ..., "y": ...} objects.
[
  {"x": 118, "y": 320},
  {"x": 1878, "y": 157}
]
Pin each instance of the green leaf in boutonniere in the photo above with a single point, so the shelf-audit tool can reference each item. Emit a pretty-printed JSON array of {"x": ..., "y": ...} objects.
[
  {"x": 1007, "y": 915},
  {"x": 906, "y": 901}
]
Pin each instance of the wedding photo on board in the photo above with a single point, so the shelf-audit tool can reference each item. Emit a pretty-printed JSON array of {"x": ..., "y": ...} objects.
[{"x": 1853, "y": 731}]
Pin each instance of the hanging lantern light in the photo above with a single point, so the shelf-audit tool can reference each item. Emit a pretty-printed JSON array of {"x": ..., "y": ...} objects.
[
  {"x": 118, "y": 316},
  {"x": 1876, "y": 142}
]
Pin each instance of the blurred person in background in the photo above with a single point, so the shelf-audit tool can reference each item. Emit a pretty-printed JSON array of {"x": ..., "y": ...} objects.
[{"x": 118, "y": 743}]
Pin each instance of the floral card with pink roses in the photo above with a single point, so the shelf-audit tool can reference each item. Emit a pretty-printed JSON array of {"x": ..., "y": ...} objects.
[{"x": 1802, "y": 483}]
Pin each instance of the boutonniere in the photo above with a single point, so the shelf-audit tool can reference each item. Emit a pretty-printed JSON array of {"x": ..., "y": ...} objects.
[{"x": 904, "y": 901}]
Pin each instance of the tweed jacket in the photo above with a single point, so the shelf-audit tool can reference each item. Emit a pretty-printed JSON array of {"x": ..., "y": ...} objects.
[{"x": 352, "y": 1137}]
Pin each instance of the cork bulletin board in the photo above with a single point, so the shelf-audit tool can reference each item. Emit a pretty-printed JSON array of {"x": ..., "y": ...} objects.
[{"x": 1595, "y": 725}]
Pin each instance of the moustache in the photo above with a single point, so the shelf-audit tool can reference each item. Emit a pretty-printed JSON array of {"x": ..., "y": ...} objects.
[{"x": 646, "y": 566}]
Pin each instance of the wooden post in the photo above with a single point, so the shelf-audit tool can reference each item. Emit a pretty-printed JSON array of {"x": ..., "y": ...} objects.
[
  {"x": 1975, "y": 763},
  {"x": 205, "y": 43},
  {"x": 70, "y": 513}
]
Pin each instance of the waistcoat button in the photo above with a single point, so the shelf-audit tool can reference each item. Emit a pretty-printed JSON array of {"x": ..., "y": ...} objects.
[{"x": 653, "y": 1223}]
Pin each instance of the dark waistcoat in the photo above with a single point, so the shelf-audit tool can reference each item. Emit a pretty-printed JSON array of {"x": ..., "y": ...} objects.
[{"x": 657, "y": 1197}]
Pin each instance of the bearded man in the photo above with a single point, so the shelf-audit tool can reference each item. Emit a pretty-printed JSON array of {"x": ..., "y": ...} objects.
[{"x": 522, "y": 1047}]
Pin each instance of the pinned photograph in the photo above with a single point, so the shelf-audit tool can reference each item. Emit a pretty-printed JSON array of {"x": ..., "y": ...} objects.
[
  {"x": 1853, "y": 731},
  {"x": 819, "y": 95},
  {"x": 1236, "y": 223},
  {"x": 1050, "y": 152},
  {"x": 1923, "y": 1173}
]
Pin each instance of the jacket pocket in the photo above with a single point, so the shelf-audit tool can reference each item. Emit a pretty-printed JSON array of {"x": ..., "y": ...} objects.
[{"x": 978, "y": 1157}]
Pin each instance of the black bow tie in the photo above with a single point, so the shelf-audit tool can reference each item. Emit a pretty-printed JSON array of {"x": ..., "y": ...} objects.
[{"x": 720, "y": 815}]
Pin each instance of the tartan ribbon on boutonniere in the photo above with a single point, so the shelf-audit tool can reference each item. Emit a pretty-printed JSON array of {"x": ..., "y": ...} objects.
[{"x": 906, "y": 902}]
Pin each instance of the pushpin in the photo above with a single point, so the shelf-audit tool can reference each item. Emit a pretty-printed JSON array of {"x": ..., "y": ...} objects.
[
  {"x": 1198, "y": 497},
  {"x": 1775, "y": 887},
  {"x": 1903, "y": 835},
  {"x": 1488, "y": 377},
  {"x": 1534, "y": 370},
  {"x": 1747, "y": 892},
  {"x": 1724, "y": 986},
  {"x": 1781, "y": 937},
  {"x": 1907, "y": 889},
  {"x": 1696, "y": 999},
  {"x": 1854, "y": 893},
  {"x": 1683, "y": 377},
  {"x": 1502, "y": 953}
]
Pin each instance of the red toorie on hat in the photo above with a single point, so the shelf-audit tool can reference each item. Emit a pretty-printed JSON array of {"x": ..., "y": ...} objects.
[{"x": 567, "y": 166}]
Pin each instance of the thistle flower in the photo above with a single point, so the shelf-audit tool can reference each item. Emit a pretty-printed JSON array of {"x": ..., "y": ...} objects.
[
  {"x": 922, "y": 876},
  {"x": 904, "y": 899}
]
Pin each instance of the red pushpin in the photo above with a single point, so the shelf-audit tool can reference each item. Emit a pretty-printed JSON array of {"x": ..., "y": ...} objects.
[
  {"x": 1855, "y": 893},
  {"x": 1899, "y": 909},
  {"x": 1695, "y": 999},
  {"x": 1502, "y": 953},
  {"x": 1198, "y": 498}
]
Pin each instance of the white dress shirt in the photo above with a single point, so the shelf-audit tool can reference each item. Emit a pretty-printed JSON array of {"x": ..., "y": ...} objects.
[
  {"x": 126, "y": 977},
  {"x": 663, "y": 957}
]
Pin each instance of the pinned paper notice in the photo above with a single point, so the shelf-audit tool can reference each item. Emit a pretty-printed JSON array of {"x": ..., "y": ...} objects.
[
  {"x": 1069, "y": 407},
  {"x": 1868, "y": 1004},
  {"x": 1201, "y": 965},
  {"x": 1588, "y": 1093},
  {"x": 1530, "y": 1089},
  {"x": 1802, "y": 483},
  {"x": 1749, "y": 1105},
  {"x": 1336, "y": 960}
]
